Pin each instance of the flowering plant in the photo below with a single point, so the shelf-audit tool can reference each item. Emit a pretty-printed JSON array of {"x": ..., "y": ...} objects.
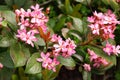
[{"x": 35, "y": 44}]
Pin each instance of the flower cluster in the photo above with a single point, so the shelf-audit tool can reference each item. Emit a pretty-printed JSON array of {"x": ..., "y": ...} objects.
[
  {"x": 103, "y": 24},
  {"x": 47, "y": 62},
  {"x": 29, "y": 21},
  {"x": 60, "y": 47},
  {"x": 66, "y": 48},
  {"x": 111, "y": 49},
  {"x": 97, "y": 61}
]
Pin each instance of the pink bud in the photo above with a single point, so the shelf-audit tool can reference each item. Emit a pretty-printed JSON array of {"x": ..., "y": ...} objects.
[{"x": 1, "y": 65}]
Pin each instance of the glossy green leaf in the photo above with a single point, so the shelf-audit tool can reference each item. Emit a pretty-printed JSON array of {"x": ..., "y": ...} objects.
[
  {"x": 68, "y": 7},
  {"x": 49, "y": 74},
  {"x": 9, "y": 2},
  {"x": 20, "y": 3},
  {"x": 40, "y": 41},
  {"x": 3, "y": 8},
  {"x": 33, "y": 67},
  {"x": 69, "y": 62},
  {"x": 75, "y": 33},
  {"x": 27, "y": 4},
  {"x": 55, "y": 74},
  {"x": 111, "y": 41},
  {"x": 79, "y": 57},
  {"x": 84, "y": 1},
  {"x": 112, "y": 3},
  {"x": 4, "y": 23},
  {"x": 77, "y": 24},
  {"x": 76, "y": 10},
  {"x": 64, "y": 32},
  {"x": 15, "y": 77},
  {"x": 60, "y": 24},
  {"x": 6, "y": 60},
  {"x": 6, "y": 73},
  {"x": 9, "y": 16},
  {"x": 5, "y": 42},
  {"x": 86, "y": 75},
  {"x": 19, "y": 54}
]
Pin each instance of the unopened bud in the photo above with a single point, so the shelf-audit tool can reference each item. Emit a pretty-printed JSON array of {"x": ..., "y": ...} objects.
[
  {"x": 1, "y": 65},
  {"x": 48, "y": 10}
]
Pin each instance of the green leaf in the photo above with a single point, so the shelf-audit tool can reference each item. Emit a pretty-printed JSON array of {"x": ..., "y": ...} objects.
[
  {"x": 111, "y": 41},
  {"x": 5, "y": 42},
  {"x": 60, "y": 24},
  {"x": 6, "y": 73},
  {"x": 33, "y": 67},
  {"x": 76, "y": 10},
  {"x": 68, "y": 62},
  {"x": 19, "y": 54},
  {"x": 9, "y": 16},
  {"x": 68, "y": 7},
  {"x": 79, "y": 0},
  {"x": 112, "y": 3},
  {"x": 75, "y": 33},
  {"x": 64, "y": 32},
  {"x": 84, "y": 1},
  {"x": 3, "y": 8},
  {"x": 55, "y": 74},
  {"x": 6, "y": 60},
  {"x": 15, "y": 77},
  {"x": 49, "y": 74},
  {"x": 77, "y": 24},
  {"x": 20, "y": 3},
  {"x": 4, "y": 23},
  {"x": 9, "y": 2},
  {"x": 40, "y": 41},
  {"x": 27, "y": 4},
  {"x": 79, "y": 57},
  {"x": 86, "y": 75}
]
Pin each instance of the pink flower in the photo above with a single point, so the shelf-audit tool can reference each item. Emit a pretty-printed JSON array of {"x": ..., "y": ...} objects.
[
  {"x": 116, "y": 50},
  {"x": 94, "y": 28},
  {"x": 87, "y": 67},
  {"x": 60, "y": 47},
  {"x": 54, "y": 64},
  {"x": 99, "y": 61},
  {"x": 108, "y": 48},
  {"x": 55, "y": 38},
  {"x": 111, "y": 49},
  {"x": 96, "y": 60},
  {"x": 91, "y": 19},
  {"x": 98, "y": 15},
  {"x": 46, "y": 61},
  {"x": 66, "y": 48},
  {"x": 36, "y": 7},
  {"x": 92, "y": 54},
  {"x": 24, "y": 23},
  {"x": 69, "y": 48},
  {"x": 28, "y": 37}
]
